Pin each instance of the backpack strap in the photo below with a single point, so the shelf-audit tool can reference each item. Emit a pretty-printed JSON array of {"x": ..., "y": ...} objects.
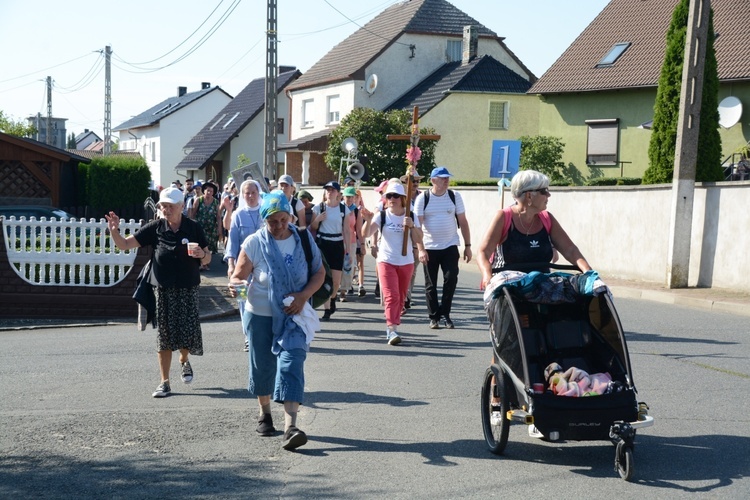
[
  {"x": 508, "y": 218},
  {"x": 451, "y": 195},
  {"x": 305, "y": 246},
  {"x": 426, "y": 198}
]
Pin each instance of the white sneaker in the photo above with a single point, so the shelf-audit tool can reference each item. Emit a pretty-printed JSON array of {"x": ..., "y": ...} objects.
[
  {"x": 392, "y": 337},
  {"x": 141, "y": 318},
  {"x": 534, "y": 432},
  {"x": 496, "y": 418}
]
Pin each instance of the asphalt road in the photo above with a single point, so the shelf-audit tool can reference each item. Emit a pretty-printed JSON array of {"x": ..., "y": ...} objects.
[{"x": 77, "y": 418}]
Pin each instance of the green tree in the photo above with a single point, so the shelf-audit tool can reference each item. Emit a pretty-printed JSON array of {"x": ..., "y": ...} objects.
[
  {"x": 71, "y": 141},
  {"x": 385, "y": 159},
  {"x": 12, "y": 127},
  {"x": 544, "y": 154},
  {"x": 661, "y": 150}
]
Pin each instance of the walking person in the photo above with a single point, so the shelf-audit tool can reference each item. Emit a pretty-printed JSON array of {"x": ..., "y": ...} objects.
[
  {"x": 282, "y": 283},
  {"x": 244, "y": 222},
  {"x": 440, "y": 212},
  {"x": 180, "y": 247},
  {"x": 354, "y": 222},
  {"x": 331, "y": 233},
  {"x": 207, "y": 213},
  {"x": 394, "y": 269}
]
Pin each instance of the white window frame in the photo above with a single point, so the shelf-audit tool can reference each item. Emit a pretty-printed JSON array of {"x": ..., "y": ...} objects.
[
  {"x": 492, "y": 124},
  {"x": 333, "y": 109},
  {"x": 602, "y": 142},
  {"x": 307, "y": 114}
]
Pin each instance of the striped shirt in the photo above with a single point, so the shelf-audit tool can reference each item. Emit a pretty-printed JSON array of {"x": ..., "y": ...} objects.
[{"x": 439, "y": 227}]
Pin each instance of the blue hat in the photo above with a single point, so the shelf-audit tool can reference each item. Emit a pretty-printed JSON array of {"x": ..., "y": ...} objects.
[
  {"x": 273, "y": 202},
  {"x": 333, "y": 184},
  {"x": 440, "y": 172}
]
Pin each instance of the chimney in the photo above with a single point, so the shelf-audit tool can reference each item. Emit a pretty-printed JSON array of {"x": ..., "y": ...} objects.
[
  {"x": 181, "y": 91},
  {"x": 470, "y": 44},
  {"x": 205, "y": 85}
]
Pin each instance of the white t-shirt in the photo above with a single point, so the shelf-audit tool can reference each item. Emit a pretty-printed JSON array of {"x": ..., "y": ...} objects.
[
  {"x": 392, "y": 239},
  {"x": 439, "y": 227},
  {"x": 257, "y": 293},
  {"x": 333, "y": 223}
]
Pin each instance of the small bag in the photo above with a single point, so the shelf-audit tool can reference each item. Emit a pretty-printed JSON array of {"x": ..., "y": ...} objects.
[{"x": 322, "y": 294}]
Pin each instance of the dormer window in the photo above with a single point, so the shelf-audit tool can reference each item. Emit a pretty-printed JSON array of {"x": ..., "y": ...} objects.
[{"x": 614, "y": 53}]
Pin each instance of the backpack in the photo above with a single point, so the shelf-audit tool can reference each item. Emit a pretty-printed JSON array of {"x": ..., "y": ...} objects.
[
  {"x": 322, "y": 294},
  {"x": 451, "y": 195},
  {"x": 323, "y": 209}
]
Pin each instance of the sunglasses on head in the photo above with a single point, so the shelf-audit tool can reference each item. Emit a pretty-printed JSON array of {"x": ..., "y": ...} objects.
[{"x": 390, "y": 196}]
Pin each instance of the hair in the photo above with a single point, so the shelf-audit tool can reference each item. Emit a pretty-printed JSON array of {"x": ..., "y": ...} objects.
[{"x": 527, "y": 180}]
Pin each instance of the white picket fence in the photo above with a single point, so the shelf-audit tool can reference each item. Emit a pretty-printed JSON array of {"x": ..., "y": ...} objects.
[{"x": 67, "y": 252}]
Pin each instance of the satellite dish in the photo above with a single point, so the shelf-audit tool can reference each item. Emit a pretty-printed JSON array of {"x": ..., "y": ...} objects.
[
  {"x": 349, "y": 145},
  {"x": 730, "y": 111},
  {"x": 371, "y": 84}
]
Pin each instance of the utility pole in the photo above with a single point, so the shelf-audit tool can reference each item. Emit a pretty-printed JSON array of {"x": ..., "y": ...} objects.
[
  {"x": 107, "y": 100},
  {"x": 272, "y": 68},
  {"x": 686, "y": 149},
  {"x": 48, "y": 138}
]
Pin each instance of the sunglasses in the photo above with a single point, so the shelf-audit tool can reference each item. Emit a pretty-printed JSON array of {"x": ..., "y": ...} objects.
[
  {"x": 543, "y": 191},
  {"x": 390, "y": 196}
]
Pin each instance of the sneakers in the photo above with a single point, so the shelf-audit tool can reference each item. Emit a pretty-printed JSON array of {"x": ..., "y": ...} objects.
[
  {"x": 496, "y": 417},
  {"x": 434, "y": 324},
  {"x": 392, "y": 337},
  {"x": 163, "y": 390},
  {"x": 343, "y": 298},
  {"x": 247, "y": 346},
  {"x": 534, "y": 432},
  {"x": 293, "y": 438},
  {"x": 362, "y": 292},
  {"x": 448, "y": 323},
  {"x": 265, "y": 425},
  {"x": 326, "y": 315},
  {"x": 187, "y": 372}
]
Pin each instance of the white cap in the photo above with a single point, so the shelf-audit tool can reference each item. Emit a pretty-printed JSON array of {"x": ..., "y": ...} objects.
[
  {"x": 395, "y": 187},
  {"x": 286, "y": 179},
  {"x": 171, "y": 195}
]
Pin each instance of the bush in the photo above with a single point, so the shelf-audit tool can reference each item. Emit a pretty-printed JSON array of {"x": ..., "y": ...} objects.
[
  {"x": 114, "y": 181},
  {"x": 614, "y": 181}
]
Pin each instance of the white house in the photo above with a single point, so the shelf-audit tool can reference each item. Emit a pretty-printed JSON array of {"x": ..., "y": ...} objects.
[
  {"x": 375, "y": 66},
  {"x": 160, "y": 132}
]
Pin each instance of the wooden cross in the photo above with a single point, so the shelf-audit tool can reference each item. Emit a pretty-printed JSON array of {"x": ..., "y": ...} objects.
[{"x": 411, "y": 170}]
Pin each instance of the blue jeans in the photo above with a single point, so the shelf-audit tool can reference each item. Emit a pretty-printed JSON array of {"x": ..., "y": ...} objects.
[{"x": 282, "y": 375}]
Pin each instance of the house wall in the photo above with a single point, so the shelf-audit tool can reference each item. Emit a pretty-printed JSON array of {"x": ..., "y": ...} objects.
[
  {"x": 564, "y": 116},
  {"x": 462, "y": 120},
  {"x": 177, "y": 128},
  {"x": 319, "y": 172},
  {"x": 319, "y": 95}
]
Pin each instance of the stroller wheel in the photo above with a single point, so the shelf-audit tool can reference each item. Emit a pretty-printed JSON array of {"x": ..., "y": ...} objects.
[
  {"x": 495, "y": 423},
  {"x": 624, "y": 462}
]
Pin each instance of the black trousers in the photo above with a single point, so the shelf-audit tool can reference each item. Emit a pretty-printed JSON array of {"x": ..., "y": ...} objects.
[{"x": 447, "y": 261}]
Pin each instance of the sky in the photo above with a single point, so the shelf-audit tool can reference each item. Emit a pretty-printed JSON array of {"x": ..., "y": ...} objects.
[{"x": 159, "y": 45}]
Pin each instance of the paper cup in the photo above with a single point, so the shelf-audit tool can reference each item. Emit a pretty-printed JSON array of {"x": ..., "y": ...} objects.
[{"x": 193, "y": 249}]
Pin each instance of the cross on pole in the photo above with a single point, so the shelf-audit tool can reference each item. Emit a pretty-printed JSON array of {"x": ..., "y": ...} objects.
[{"x": 412, "y": 157}]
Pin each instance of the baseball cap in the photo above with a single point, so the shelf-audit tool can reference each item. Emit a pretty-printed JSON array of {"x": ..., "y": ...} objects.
[
  {"x": 440, "y": 172},
  {"x": 381, "y": 187},
  {"x": 333, "y": 184},
  {"x": 350, "y": 191},
  {"x": 347, "y": 180},
  {"x": 171, "y": 195},
  {"x": 286, "y": 179},
  {"x": 395, "y": 187}
]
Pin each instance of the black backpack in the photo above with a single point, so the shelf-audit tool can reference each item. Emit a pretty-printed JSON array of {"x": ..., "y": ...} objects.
[{"x": 322, "y": 294}]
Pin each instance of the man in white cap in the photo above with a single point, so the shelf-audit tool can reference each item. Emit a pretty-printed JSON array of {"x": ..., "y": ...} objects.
[
  {"x": 440, "y": 212},
  {"x": 286, "y": 184}
]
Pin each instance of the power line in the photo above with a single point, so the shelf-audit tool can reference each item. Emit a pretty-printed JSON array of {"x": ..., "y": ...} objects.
[
  {"x": 362, "y": 27},
  {"x": 44, "y": 70},
  {"x": 85, "y": 80}
]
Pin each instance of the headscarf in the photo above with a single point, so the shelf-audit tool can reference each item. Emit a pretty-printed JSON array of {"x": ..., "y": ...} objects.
[
  {"x": 273, "y": 202},
  {"x": 242, "y": 204}
]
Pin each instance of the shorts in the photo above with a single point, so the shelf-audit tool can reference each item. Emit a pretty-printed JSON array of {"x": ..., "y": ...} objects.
[{"x": 333, "y": 252}]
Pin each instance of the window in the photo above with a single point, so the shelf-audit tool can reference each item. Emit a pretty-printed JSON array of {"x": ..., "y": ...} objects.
[
  {"x": 454, "y": 50},
  {"x": 231, "y": 119},
  {"x": 613, "y": 54},
  {"x": 602, "y": 142},
  {"x": 307, "y": 113},
  {"x": 333, "y": 109},
  {"x": 499, "y": 115},
  {"x": 217, "y": 121},
  {"x": 279, "y": 125}
]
